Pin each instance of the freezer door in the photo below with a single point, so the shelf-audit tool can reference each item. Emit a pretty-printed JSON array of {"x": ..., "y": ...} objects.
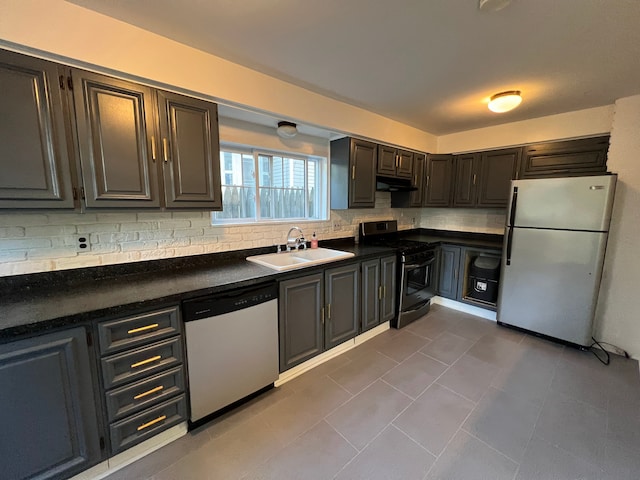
[
  {"x": 575, "y": 203},
  {"x": 551, "y": 284}
]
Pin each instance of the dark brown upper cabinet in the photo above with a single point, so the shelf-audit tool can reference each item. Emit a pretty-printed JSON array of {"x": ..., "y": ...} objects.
[
  {"x": 438, "y": 181},
  {"x": 353, "y": 173},
  {"x": 145, "y": 148},
  {"x": 393, "y": 162},
  {"x": 483, "y": 179},
  {"x": 190, "y": 151},
  {"x": 117, "y": 138},
  {"x": 586, "y": 156},
  {"x": 35, "y": 160},
  {"x": 418, "y": 181}
]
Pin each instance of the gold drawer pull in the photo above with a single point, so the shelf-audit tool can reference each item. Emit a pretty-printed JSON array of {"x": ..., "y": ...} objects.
[
  {"x": 144, "y": 362},
  {"x": 152, "y": 422},
  {"x": 148, "y": 392},
  {"x": 142, "y": 329}
]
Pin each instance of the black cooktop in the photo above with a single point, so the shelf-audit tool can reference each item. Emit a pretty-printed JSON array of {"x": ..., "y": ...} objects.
[{"x": 385, "y": 234}]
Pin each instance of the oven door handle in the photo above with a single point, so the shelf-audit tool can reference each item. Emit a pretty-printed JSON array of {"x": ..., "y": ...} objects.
[{"x": 411, "y": 266}]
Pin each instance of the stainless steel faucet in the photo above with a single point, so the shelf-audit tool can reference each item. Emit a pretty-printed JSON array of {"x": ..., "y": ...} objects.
[{"x": 295, "y": 241}]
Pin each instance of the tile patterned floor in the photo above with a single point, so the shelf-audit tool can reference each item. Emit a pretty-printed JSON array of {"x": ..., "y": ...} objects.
[{"x": 449, "y": 397}]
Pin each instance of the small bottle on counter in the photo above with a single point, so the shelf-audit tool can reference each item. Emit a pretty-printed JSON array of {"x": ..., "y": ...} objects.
[{"x": 314, "y": 241}]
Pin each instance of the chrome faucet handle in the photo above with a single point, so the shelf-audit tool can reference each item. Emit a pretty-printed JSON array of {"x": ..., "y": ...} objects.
[{"x": 294, "y": 241}]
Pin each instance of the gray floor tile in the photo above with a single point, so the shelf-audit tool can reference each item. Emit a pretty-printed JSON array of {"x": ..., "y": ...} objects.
[
  {"x": 621, "y": 462},
  {"x": 495, "y": 349},
  {"x": 472, "y": 327},
  {"x": 368, "y": 413},
  {"x": 432, "y": 325},
  {"x": 447, "y": 347},
  {"x": 434, "y": 417},
  {"x": 582, "y": 383},
  {"x": 402, "y": 346},
  {"x": 318, "y": 454},
  {"x": 363, "y": 370},
  {"x": 574, "y": 426},
  {"x": 391, "y": 456},
  {"x": 543, "y": 461},
  {"x": 415, "y": 374},
  {"x": 469, "y": 377},
  {"x": 505, "y": 422},
  {"x": 194, "y": 466},
  {"x": 623, "y": 424},
  {"x": 467, "y": 458},
  {"x": 313, "y": 375}
]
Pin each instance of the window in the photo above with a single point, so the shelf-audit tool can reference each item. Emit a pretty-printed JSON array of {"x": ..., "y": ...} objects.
[{"x": 261, "y": 186}]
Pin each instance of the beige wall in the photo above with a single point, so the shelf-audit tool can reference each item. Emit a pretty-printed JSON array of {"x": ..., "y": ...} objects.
[{"x": 618, "y": 321}]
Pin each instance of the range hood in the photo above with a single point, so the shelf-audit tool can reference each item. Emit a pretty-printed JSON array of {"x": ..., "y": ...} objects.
[{"x": 393, "y": 184}]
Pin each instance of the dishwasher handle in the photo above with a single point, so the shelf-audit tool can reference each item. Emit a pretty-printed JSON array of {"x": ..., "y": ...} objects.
[{"x": 228, "y": 301}]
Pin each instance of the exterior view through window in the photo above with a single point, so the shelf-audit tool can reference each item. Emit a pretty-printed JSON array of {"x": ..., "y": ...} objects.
[{"x": 258, "y": 186}]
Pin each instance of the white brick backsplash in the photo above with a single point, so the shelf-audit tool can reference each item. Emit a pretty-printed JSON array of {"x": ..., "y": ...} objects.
[
  {"x": 12, "y": 255},
  {"x": 121, "y": 257},
  {"x": 173, "y": 224},
  {"x": 189, "y": 215},
  {"x": 76, "y": 262},
  {"x": 192, "y": 232},
  {"x": 99, "y": 228},
  {"x": 138, "y": 226},
  {"x": 21, "y": 220},
  {"x": 190, "y": 250},
  {"x": 114, "y": 237},
  {"x": 155, "y": 235},
  {"x": 101, "y": 248},
  {"x": 72, "y": 218},
  {"x": 57, "y": 252},
  {"x": 156, "y": 253},
  {"x": 49, "y": 230},
  {"x": 11, "y": 232},
  {"x": 153, "y": 216},
  {"x": 20, "y": 268},
  {"x": 204, "y": 240},
  {"x": 138, "y": 246},
  {"x": 24, "y": 243},
  {"x": 120, "y": 217},
  {"x": 173, "y": 242}
]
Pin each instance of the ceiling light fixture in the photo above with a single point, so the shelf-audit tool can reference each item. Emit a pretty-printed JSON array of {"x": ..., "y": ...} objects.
[
  {"x": 287, "y": 129},
  {"x": 505, "y": 101},
  {"x": 492, "y": 5}
]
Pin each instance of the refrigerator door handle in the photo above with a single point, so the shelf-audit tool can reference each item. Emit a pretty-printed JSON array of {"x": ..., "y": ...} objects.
[
  {"x": 509, "y": 243},
  {"x": 514, "y": 203}
]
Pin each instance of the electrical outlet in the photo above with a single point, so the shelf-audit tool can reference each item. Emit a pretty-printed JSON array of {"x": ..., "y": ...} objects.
[
  {"x": 337, "y": 226},
  {"x": 413, "y": 220},
  {"x": 82, "y": 243}
]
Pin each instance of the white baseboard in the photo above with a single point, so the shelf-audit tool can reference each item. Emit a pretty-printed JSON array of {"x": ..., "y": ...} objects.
[
  {"x": 329, "y": 354},
  {"x": 464, "y": 307},
  {"x": 123, "y": 459}
]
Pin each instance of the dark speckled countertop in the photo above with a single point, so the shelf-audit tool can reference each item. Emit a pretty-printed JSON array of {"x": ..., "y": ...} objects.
[{"x": 45, "y": 301}]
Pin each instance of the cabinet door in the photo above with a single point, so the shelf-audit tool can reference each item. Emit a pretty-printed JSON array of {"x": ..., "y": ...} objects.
[
  {"x": 49, "y": 426},
  {"x": 190, "y": 152},
  {"x": 497, "y": 169},
  {"x": 405, "y": 164},
  {"x": 439, "y": 181},
  {"x": 362, "y": 188},
  {"x": 35, "y": 162},
  {"x": 387, "y": 161},
  {"x": 118, "y": 145},
  {"x": 416, "y": 197},
  {"x": 342, "y": 304},
  {"x": 465, "y": 180},
  {"x": 388, "y": 282},
  {"x": 371, "y": 294},
  {"x": 586, "y": 156},
  {"x": 300, "y": 309},
  {"x": 449, "y": 271}
]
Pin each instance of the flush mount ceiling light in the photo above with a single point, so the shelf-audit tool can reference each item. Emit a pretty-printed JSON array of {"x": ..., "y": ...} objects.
[
  {"x": 492, "y": 5},
  {"x": 505, "y": 101},
  {"x": 287, "y": 129}
]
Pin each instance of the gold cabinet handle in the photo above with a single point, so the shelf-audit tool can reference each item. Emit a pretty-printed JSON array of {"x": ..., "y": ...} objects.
[
  {"x": 152, "y": 422},
  {"x": 384, "y": 290},
  {"x": 165, "y": 150},
  {"x": 328, "y": 311},
  {"x": 144, "y": 362},
  {"x": 149, "y": 392},
  {"x": 143, "y": 329},
  {"x": 322, "y": 315},
  {"x": 153, "y": 148},
  {"x": 397, "y": 160},
  {"x": 427, "y": 185},
  {"x": 353, "y": 172},
  {"x": 380, "y": 295},
  {"x": 474, "y": 178}
]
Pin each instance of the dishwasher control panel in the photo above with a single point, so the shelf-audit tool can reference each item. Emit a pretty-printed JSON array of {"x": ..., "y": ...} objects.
[{"x": 228, "y": 301}]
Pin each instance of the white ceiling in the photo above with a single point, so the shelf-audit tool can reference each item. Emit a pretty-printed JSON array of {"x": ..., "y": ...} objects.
[{"x": 431, "y": 64}]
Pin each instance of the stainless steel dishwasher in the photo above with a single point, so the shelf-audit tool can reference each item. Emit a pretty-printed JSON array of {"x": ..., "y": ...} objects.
[{"x": 232, "y": 347}]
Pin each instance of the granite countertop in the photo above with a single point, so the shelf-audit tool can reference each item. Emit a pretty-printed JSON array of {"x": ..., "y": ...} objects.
[{"x": 44, "y": 301}]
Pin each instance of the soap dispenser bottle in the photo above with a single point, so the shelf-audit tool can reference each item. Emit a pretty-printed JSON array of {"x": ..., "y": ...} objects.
[{"x": 314, "y": 241}]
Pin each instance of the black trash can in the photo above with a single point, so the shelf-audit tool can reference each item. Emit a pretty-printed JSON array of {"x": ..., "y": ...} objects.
[{"x": 484, "y": 273}]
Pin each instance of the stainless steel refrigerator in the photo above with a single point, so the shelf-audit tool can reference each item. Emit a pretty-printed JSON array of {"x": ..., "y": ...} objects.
[{"x": 556, "y": 235}]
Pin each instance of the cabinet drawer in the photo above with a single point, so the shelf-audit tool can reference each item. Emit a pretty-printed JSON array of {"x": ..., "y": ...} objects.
[
  {"x": 141, "y": 363},
  {"x": 146, "y": 424},
  {"x": 123, "y": 333},
  {"x": 145, "y": 393}
]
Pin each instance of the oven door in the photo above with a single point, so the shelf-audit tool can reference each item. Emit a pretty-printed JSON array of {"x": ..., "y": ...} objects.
[{"x": 418, "y": 281}]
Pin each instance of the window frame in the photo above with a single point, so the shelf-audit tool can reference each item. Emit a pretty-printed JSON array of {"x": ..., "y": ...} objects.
[{"x": 256, "y": 153}]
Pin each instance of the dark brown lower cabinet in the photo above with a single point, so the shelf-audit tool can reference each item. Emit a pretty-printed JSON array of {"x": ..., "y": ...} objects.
[
  {"x": 449, "y": 271},
  {"x": 342, "y": 304},
  {"x": 48, "y": 404},
  {"x": 378, "y": 291}
]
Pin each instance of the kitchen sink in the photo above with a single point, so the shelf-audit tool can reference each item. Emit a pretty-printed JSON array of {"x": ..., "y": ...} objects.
[{"x": 299, "y": 258}]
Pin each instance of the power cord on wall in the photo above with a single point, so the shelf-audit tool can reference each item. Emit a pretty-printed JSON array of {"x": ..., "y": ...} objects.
[{"x": 607, "y": 358}]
